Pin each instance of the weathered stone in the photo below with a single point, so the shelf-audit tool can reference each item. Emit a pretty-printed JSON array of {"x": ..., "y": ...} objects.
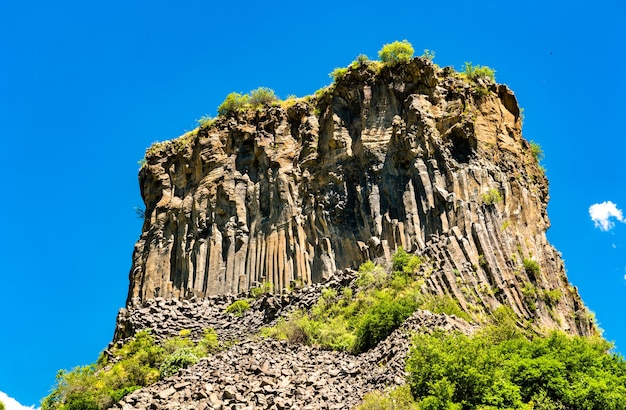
[{"x": 410, "y": 157}]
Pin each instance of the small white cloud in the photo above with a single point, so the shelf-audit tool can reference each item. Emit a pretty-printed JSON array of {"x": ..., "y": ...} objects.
[
  {"x": 601, "y": 215},
  {"x": 12, "y": 404}
]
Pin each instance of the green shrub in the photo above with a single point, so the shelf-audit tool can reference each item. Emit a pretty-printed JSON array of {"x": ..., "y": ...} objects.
[
  {"x": 473, "y": 72},
  {"x": 180, "y": 359},
  {"x": 385, "y": 315},
  {"x": 264, "y": 288},
  {"x": 140, "y": 362},
  {"x": 2, "y": 405},
  {"x": 338, "y": 73},
  {"x": 360, "y": 61},
  {"x": 233, "y": 103},
  {"x": 536, "y": 150},
  {"x": 397, "y": 399},
  {"x": 492, "y": 197},
  {"x": 552, "y": 297},
  {"x": 500, "y": 368},
  {"x": 209, "y": 342},
  {"x": 398, "y": 51},
  {"x": 402, "y": 261},
  {"x": 529, "y": 291},
  {"x": 262, "y": 96},
  {"x": 356, "y": 322},
  {"x": 429, "y": 54},
  {"x": 370, "y": 274},
  {"x": 532, "y": 268},
  {"x": 206, "y": 121},
  {"x": 444, "y": 304},
  {"x": 238, "y": 307}
]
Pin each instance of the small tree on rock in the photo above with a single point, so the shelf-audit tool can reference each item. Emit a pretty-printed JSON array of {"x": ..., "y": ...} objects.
[{"x": 398, "y": 51}]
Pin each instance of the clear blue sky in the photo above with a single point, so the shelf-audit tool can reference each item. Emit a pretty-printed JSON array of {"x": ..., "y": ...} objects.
[{"x": 85, "y": 87}]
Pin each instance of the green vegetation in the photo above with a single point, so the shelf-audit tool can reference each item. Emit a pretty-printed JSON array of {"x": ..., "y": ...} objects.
[
  {"x": 237, "y": 102},
  {"x": 140, "y": 362},
  {"x": 238, "y": 307},
  {"x": 356, "y": 321},
  {"x": 532, "y": 268},
  {"x": 529, "y": 291},
  {"x": 206, "y": 121},
  {"x": 399, "y": 398},
  {"x": 233, "y": 103},
  {"x": 552, "y": 297},
  {"x": 338, "y": 73},
  {"x": 474, "y": 72},
  {"x": 360, "y": 61},
  {"x": 536, "y": 150},
  {"x": 2, "y": 405},
  {"x": 264, "y": 288},
  {"x": 500, "y": 367},
  {"x": 428, "y": 54},
  {"x": 262, "y": 96},
  {"x": 398, "y": 51},
  {"x": 492, "y": 197}
]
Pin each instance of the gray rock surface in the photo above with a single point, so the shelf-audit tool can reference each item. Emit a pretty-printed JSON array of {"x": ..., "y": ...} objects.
[{"x": 413, "y": 156}]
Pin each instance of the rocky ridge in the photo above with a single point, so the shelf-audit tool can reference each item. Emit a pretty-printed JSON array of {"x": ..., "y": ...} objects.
[{"x": 408, "y": 155}]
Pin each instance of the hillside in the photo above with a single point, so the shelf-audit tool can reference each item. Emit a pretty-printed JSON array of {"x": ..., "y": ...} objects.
[{"x": 292, "y": 249}]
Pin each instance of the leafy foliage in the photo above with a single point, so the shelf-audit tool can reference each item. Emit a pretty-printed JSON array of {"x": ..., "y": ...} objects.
[
  {"x": 429, "y": 54},
  {"x": 360, "y": 61},
  {"x": 398, "y": 399},
  {"x": 499, "y": 367},
  {"x": 536, "y": 150},
  {"x": 345, "y": 321},
  {"x": 532, "y": 268},
  {"x": 262, "y": 96},
  {"x": 236, "y": 102},
  {"x": 398, "y": 51},
  {"x": 492, "y": 197},
  {"x": 264, "y": 288},
  {"x": 206, "y": 121},
  {"x": 233, "y": 103},
  {"x": 1, "y": 405},
  {"x": 338, "y": 73},
  {"x": 474, "y": 72},
  {"x": 238, "y": 307},
  {"x": 140, "y": 362}
]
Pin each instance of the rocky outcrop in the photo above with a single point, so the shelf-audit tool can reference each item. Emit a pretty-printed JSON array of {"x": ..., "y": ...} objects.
[
  {"x": 255, "y": 373},
  {"x": 409, "y": 156},
  {"x": 260, "y": 374}
]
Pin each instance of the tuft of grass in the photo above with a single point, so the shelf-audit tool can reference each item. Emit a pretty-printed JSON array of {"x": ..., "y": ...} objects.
[
  {"x": 238, "y": 307},
  {"x": 474, "y": 72},
  {"x": 492, "y": 197}
]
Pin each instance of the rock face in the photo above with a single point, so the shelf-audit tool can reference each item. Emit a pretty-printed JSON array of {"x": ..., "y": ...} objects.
[{"x": 409, "y": 156}]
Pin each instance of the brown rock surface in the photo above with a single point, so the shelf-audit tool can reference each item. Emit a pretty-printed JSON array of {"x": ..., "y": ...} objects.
[{"x": 408, "y": 156}]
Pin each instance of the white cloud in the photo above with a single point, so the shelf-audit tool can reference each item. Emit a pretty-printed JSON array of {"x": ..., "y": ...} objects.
[
  {"x": 12, "y": 404},
  {"x": 601, "y": 215}
]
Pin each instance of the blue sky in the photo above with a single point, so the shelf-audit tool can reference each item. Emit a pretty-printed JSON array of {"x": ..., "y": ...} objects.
[{"x": 85, "y": 87}]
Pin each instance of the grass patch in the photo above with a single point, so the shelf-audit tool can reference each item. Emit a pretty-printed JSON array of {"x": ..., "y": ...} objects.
[{"x": 356, "y": 321}]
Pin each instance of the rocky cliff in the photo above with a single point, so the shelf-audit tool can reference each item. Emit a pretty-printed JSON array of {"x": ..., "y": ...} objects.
[{"x": 407, "y": 155}]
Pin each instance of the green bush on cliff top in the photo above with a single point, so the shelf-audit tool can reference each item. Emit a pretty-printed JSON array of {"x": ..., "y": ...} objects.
[{"x": 398, "y": 51}]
